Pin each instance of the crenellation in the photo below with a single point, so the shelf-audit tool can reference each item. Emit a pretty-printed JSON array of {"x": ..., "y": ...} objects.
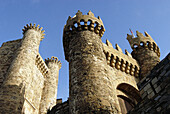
[
  {"x": 88, "y": 22},
  {"x": 145, "y": 51},
  {"x": 127, "y": 53},
  {"x": 142, "y": 41},
  {"x": 118, "y": 48},
  {"x": 53, "y": 59},
  {"x": 109, "y": 44},
  {"x": 120, "y": 61},
  {"x": 36, "y": 28}
]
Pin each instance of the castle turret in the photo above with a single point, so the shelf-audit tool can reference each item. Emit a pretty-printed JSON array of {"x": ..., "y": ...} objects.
[
  {"x": 90, "y": 88},
  {"x": 49, "y": 94},
  {"x": 21, "y": 89},
  {"x": 25, "y": 55},
  {"x": 145, "y": 51}
]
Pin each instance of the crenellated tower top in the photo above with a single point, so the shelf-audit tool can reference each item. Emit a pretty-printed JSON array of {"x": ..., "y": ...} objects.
[
  {"x": 36, "y": 28},
  {"x": 142, "y": 41},
  {"x": 54, "y": 60},
  {"x": 84, "y": 22},
  {"x": 79, "y": 23}
]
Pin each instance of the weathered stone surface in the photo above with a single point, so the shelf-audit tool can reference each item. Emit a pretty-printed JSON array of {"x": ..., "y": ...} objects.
[
  {"x": 94, "y": 82},
  {"x": 145, "y": 51},
  {"x": 102, "y": 79},
  {"x": 23, "y": 74},
  {"x": 49, "y": 94},
  {"x": 158, "y": 100},
  {"x": 88, "y": 89},
  {"x": 7, "y": 51}
]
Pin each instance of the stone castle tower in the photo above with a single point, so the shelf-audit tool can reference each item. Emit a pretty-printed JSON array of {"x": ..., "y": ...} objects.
[
  {"x": 145, "y": 51},
  {"x": 27, "y": 82},
  {"x": 102, "y": 79},
  {"x": 99, "y": 74}
]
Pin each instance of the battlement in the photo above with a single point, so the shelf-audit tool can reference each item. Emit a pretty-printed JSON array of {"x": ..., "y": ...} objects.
[
  {"x": 142, "y": 41},
  {"x": 36, "y": 28},
  {"x": 41, "y": 65},
  {"x": 84, "y": 22},
  {"x": 53, "y": 59},
  {"x": 124, "y": 62}
]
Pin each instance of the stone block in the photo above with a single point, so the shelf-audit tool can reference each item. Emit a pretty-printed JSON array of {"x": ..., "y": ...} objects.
[
  {"x": 147, "y": 87},
  {"x": 158, "y": 89},
  {"x": 155, "y": 85},
  {"x": 149, "y": 90},
  {"x": 151, "y": 95},
  {"x": 154, "y": 80}
]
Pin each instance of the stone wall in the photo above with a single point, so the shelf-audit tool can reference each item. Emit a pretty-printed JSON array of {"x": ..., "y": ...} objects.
[
  {"x": 155, "y": 90},
  {"x": 33, "y": 92},
  {"x": 60, "y": 108},
  {"x": 7, "y": 51}
]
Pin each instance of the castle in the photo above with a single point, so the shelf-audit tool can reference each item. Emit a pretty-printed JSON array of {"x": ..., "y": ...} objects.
[{"x": 102, "y": 80}]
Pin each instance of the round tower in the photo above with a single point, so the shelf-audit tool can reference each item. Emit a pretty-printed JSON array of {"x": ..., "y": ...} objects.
[
  {"x": 145, "y": 51},
  {"x": 25, "y": 55},
  {"x": 90, "y": 90},
  {"x": 49, "y": 94},
  {"x": 20, "y": 72}
]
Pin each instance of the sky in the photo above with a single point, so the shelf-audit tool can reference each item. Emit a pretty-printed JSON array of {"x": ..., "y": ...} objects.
[{"x": 118, "y": 16}]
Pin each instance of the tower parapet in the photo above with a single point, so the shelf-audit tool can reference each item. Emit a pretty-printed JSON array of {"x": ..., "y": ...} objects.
[
  {"x": 36, "y": 28},
  {"x": 145, "y": 51},
  {"x": 142, "y": 41},
  {"x": 53, "y": 60},
  {"x": 81, "y": 22},
  {"x": 85, "y": 22},
  {"x": 117, "y": 59}
]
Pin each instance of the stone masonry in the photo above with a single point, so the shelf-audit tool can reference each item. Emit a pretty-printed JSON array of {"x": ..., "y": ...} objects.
[
  {"x": 90, "y": 87},
  {"x": 155, "y": 90},
  {"x": 23, "y": 71},
  {"x": 145, "y": 51},
  {"x": 98, "y": 72},
  {"x": 102, "y": 79}
]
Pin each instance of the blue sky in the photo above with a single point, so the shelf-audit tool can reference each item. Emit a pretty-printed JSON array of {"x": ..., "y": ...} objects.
[{"x": 118, "y": 16}]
